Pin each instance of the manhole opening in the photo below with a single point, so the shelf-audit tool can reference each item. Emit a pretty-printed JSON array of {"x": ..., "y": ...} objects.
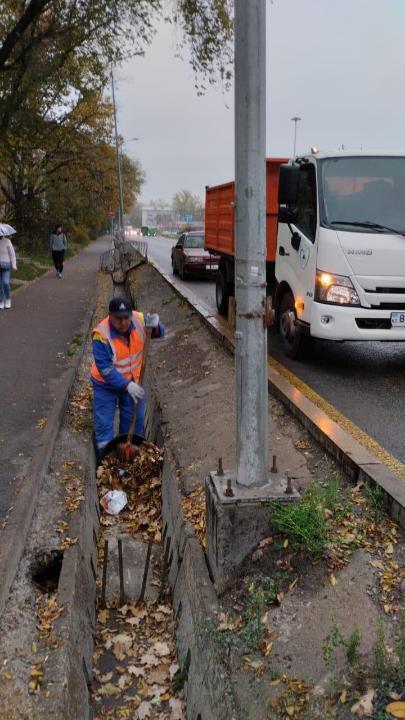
[{"x": 45, "y": 570}]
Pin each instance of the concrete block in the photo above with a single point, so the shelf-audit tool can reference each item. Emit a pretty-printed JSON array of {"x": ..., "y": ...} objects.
[{"x": 236, "y": 524}]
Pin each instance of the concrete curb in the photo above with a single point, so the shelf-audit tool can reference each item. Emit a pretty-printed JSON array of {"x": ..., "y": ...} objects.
[
  {"x": 355, "y": 460},
  {"x": 13, "y": 536}
]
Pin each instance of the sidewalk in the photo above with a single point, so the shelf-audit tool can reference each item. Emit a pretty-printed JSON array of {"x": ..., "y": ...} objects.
[{"x": 34, "y": 342}]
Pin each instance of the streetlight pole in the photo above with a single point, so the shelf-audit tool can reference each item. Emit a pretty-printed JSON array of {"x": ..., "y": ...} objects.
[
  {"x": 117, "y": 152},
  {"x": 295, "y": 120},
  {"x": 250, "y": 260}
]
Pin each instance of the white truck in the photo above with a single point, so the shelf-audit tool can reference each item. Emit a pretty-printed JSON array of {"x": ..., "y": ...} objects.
[{"x": 335, "y": 246}]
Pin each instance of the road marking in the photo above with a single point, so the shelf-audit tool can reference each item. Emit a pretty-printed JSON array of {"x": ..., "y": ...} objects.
[{"x": 350, "y": 427}]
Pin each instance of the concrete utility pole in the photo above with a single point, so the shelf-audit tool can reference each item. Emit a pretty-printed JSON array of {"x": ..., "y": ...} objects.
[
  {"x": 118, "y": 158},
  {"x": 250, "y": 266},
  {"x": 295, "y": 120}
]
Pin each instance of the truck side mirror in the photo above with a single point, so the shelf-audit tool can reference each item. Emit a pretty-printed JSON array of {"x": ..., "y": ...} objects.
[
  {"x": 288, "y": 184},
  {"x": 287, "y": 214}
]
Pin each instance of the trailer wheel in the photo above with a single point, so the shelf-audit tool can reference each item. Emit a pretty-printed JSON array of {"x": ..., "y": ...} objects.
[
  {"x": 295, "y": 344},
  {"x": 222, "y": 293}
]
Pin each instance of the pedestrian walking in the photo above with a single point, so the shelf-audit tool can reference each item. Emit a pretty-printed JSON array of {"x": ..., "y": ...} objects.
[
  {"x": 58, "y": 246},
  {"x": 8, "y": 262},
  {"x": 118, "y": 343}
]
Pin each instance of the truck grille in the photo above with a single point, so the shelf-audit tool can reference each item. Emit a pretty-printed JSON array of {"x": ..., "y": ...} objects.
[
  {"x": 373, "y": 323},
  {"x": 389, "y": 306},
  {"x": 388, "y": 291}
]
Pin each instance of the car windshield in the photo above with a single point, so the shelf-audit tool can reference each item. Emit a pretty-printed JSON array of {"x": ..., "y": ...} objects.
[
  {"x": 194, "y": 241},
  {"x": 366, "y": 192}
]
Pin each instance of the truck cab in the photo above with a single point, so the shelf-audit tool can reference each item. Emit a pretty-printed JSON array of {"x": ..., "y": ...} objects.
[{"x": 340, "y": 257}]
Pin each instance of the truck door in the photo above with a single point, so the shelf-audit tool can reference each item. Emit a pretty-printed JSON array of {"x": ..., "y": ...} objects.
[{"x": 296, "y": 245}]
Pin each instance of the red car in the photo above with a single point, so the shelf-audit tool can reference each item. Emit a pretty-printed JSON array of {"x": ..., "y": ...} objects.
[{"x": 190, "y": 257}]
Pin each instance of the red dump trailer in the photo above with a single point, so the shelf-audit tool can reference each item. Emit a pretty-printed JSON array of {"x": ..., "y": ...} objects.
[{"x": 220, "y": 230}]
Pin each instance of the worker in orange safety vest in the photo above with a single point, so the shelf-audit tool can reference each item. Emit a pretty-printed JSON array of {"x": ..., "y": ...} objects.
[{"x": 118, "y": 342}]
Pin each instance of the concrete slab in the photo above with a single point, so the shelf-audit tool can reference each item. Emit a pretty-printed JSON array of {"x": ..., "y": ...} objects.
[
  {"x": 134, "y": 553},
  {"x": 235, "y": 525}
]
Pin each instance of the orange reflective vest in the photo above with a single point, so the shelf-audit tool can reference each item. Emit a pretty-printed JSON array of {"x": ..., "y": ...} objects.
[{"x": 127, "y": 352}]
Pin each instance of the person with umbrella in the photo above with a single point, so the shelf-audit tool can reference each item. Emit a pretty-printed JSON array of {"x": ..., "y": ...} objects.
[{"x": 8, "y": 261}]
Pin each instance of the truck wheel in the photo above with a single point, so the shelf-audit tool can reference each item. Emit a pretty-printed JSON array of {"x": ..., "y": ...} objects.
[
  {"x": 222, "y": 293},
  {"x": 295, "y": 344}
]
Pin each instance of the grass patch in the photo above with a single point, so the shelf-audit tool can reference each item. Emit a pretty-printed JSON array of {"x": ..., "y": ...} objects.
[
  {"x": 376, "y": 500},
  {"x": 350, "y": 645},
  {"x": 27, "y": 271},
  {"x": 306, "y": 522},
  {"x": 303, "y": 522}
]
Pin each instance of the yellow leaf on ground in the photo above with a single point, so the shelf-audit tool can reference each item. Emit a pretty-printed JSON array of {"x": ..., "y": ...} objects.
[
  {"x": 285, "y": 543},
  {"x": 333, "y": 580},
  {"x": 397, "y": 709},
  {"x": 343, "y": 697}
]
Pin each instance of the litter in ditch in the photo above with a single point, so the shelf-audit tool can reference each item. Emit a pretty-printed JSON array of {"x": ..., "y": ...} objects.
[{"x": 135, "y": 669}]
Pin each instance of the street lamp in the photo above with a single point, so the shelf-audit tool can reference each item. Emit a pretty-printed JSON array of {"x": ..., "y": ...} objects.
[
  {"x": 117, "y": 152},
  {"x": 295, "y": 120}
]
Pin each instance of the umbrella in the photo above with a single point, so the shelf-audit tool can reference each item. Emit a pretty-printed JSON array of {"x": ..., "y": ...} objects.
[{"x": 6, "y": 230}]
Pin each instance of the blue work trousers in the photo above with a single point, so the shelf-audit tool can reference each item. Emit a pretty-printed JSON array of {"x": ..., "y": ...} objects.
[{"x": 105, "y": 403}]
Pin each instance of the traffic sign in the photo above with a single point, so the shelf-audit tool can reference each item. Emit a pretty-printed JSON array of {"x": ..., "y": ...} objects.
[
  {"x": 188, "y": 218},
  {"x": 112, "y": 212}
]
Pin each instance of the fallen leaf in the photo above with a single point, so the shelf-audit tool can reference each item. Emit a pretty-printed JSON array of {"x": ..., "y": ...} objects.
[
  {"x": 333, "y": 580},
  {"x": 397, "y": 709},
  {"x": 144, "y": 711},
  {"x": 285, "y": 543},
  {"x": 257, "y": 555},
  {"x": 109, "y": 690},
  {"x": 173, "y": 669},
  {"x": 7, "y": 676},
  {"x": 364, "y": 707},
  {"x": 389, "y": 549},
  {"x": 293, "y": 584},
  {"x": 103, "y": 616},
  {"x": 161, "y": 649},
  {"x": 377, "y": 564},
  {"x": 106, "y": 678},
  {"x": 265, "y": 647},
  {"x": 149, "y": 659},
  {"x": 137, "y": 671},
  {"x": 176, "y": 709},
  {"x": 343, "y": 697}
]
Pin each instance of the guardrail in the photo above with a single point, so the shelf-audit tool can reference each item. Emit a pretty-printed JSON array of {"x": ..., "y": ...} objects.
[{"x": 141, "y": 246}]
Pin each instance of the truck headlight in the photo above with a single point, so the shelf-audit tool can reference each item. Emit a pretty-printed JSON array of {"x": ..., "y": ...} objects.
[{"x": 335, "y": 289}]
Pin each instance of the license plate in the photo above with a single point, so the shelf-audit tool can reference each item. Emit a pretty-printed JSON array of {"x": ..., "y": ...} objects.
[
  {"x": 398, "y": 319},
  {"x": 211, "y": 267}
]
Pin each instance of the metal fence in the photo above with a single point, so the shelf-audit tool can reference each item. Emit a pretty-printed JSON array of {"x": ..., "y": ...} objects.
[
  {"x": 141, "y": 246},
  {"x": 124, "y": 256}
]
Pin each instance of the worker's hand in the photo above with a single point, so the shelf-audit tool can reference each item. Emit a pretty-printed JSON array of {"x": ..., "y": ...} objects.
[
  {"x": 136, "y": 391},
  {"x": 152, "y": 320}
]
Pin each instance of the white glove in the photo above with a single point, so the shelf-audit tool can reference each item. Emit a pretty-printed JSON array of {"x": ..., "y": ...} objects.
[
  {"x": 136, "y": 391},
  {"x": 152, "y": 320}
]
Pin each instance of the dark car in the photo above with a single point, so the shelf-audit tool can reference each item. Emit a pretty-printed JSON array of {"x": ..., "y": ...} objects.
[{"x": 190, "y": 257}]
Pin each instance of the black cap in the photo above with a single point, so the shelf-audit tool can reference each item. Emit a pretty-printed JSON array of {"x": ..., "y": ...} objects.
[{"x": 120, "y": 307}]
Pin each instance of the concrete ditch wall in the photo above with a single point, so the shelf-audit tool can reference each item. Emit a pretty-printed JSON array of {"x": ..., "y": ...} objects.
[{"x": 69, "y": 675}]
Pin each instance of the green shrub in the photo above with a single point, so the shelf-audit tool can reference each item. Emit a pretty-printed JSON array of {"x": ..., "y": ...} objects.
[{"x": 303, "y": 521}]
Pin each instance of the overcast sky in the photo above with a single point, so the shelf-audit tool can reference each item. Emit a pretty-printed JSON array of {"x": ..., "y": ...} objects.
[{"x": 340, "y": 66}]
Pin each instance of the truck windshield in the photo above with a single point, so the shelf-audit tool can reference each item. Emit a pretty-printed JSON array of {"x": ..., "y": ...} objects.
[{"x": 367, "y": 193}]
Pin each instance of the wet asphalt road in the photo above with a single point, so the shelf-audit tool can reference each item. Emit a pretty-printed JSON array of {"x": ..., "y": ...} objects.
[{"x": 364, "y": 381}]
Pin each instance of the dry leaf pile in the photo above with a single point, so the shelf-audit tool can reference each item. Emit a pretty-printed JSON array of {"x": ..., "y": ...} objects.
[
  {"x": 135, "y": 664},
  {"x": 142, "y": 484},
  {"x": 48, "y": 611},
  {"x": 194, "y": 510},
  {"x": 80, "y": 405}
]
